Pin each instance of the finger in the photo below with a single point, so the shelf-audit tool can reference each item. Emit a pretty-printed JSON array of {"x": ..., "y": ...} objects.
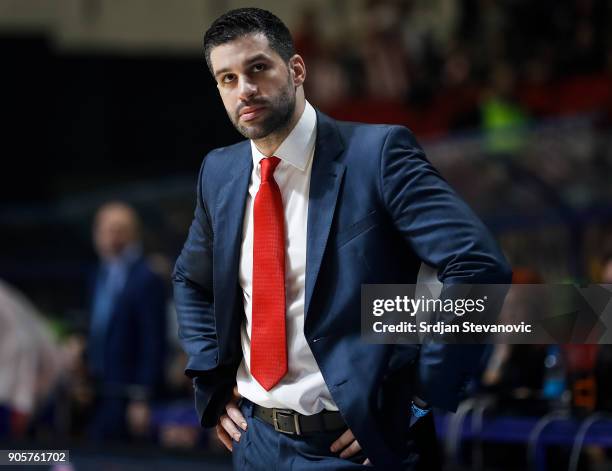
[
  {"x": 342, "y": 441},
  {"x": 367, "y": 462},
  {"x": 230, "y": 427},
  {"x": 351, "y": 450},
  {"x": 235, "y": 393},
  {"x": 224, "y": 437},
  {"x": 235, "y": 414}
]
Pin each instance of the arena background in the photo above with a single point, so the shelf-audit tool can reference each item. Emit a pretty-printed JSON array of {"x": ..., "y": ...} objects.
[{"x": 512, "y": 101}]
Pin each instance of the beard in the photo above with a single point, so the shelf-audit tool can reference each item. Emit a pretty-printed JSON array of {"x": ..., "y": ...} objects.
[{"x": 279, "y": 110}]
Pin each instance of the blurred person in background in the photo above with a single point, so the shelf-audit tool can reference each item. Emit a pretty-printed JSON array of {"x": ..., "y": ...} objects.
[
  {"x": 30, "y": 362},
  {"x": 127, "y": 334},
  {"x": 503, "y": 119},
  {"x": 516, "y": 371}
]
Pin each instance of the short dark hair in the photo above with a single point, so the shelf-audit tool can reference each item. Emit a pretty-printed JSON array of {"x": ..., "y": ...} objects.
[{"x": 243, "y": 21}]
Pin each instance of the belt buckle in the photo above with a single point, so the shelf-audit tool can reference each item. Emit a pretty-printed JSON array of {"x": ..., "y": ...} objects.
[{"x": 296, "y": 422}]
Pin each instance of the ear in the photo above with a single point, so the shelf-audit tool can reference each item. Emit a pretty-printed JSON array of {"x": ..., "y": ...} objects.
[{"x": 297, "y": 66}]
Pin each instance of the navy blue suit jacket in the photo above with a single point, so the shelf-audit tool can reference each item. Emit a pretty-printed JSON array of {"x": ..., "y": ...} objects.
[
  {"x": 135, "y": 343},
  {"x": 377, "y": 209}
]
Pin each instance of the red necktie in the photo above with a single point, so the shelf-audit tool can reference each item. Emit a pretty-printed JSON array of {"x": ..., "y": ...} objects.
[{"x": 268, "y": 337}]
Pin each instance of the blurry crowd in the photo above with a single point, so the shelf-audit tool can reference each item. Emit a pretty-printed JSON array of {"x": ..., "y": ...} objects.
[
  {"x": 535, "y": 379},
  {"x": 443, "y": 65}
]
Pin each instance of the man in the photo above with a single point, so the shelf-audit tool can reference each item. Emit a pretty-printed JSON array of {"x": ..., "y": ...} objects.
[
  {"x": 127, "y": 328},
  {"x": 288, "y": 225}
]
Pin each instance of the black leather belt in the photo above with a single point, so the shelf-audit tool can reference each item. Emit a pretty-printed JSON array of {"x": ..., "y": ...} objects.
[{"x": 294, "y": 423}]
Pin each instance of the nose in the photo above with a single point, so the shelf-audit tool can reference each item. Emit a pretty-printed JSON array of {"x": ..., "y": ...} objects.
[{"x": 247, "y": 89}]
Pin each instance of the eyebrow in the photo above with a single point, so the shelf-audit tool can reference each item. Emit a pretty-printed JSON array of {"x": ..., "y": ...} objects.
[{"x": 257, "y": 57}]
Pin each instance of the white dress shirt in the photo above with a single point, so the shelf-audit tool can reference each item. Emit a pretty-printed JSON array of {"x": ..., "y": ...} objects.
[{"x": 302, "y": 388}]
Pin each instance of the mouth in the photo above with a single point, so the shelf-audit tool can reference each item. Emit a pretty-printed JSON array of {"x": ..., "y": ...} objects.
[{"x": 249, "y": 113}]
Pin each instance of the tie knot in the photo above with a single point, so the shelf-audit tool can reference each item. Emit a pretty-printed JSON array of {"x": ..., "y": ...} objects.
[{"x": 268, "y": 165}]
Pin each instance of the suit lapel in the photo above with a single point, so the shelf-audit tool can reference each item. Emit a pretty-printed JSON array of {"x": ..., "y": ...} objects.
[
  {"x": 121, "y": 297},
  {"x": 325, "y": 180},
  {"x": 228, "y": 232}
]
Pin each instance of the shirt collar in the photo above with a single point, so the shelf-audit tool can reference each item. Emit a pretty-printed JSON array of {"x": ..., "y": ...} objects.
[
  {"x": 128, "y": 256},
  {"x": 297, "y": 147}
]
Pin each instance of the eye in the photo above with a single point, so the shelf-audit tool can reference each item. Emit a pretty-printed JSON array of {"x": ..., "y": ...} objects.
[
  {"x": 259, "y": 67},
  {"x": 228, "y": 78}
]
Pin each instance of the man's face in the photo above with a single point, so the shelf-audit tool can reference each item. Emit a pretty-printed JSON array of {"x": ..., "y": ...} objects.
[
  {"x": 255, "y": 84},
  {"x": 114, "y": 230}
]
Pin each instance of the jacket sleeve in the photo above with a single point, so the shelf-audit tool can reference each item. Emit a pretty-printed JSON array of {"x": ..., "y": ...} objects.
[
  {"x": 193, "y": 295},
  {"x": 445, "y": 233}
]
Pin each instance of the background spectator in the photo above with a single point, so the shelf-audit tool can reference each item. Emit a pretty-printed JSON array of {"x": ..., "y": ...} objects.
[{"x": 127, "y": 336}]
